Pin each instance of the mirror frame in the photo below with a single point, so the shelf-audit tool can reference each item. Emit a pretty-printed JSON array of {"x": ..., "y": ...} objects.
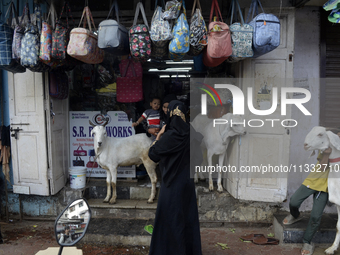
[{"x": 62, "y": 213}]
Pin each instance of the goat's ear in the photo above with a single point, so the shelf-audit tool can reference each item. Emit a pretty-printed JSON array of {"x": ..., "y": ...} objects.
[
  {"x": 334, "y": 139},
  {"x": 93, "y": 125}
]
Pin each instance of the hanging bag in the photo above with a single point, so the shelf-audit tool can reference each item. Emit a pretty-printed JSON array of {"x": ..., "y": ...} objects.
[
  {"x": 139, "y": 37},
  {"x": 160, "y": 33},
  {"x": 48, "y": 26},
  {"x": 130, "y": 84},
  {"x": 179, "y": 44},
  {"x": 58, "y": 87},
  {"x": 266, "y": 36},
  {"x": 30, "y": 45},
  {"x": 198, "y": 31},
  {"x": 6, "y": 39},
  {"x": 241, "y": 36},
  {"x": 83, "y": 44},
  {"x": 19, "y": 32},
  {"x": 113, "y": 37},
  {"x": 172, "y": 10},
  {"x": 219, "y": 39}
]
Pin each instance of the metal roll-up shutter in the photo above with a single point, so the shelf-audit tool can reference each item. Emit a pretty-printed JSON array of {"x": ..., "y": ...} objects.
[{"x": 329, "y": 72}]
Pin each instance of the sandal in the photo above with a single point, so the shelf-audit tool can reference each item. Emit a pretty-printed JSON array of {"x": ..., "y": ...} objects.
[
  {"x": 290, "y": 219},
  {"x": 251, "y": 237},
  {"x": 265, "y": 240},
  {"x": 307, "y": 247}
]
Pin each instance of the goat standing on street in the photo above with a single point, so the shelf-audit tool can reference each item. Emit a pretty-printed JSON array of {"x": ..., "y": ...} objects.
[{"x": 114, "y": 152}]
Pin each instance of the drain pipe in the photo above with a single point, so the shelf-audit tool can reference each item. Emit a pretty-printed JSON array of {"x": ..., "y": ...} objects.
[{"x": 2, "y": 124}]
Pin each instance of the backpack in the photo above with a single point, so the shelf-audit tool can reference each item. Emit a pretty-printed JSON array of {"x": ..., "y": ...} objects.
[
  {"x": 266, "y": 36},
  {"x": 139, "y": 37},
  {"x": 219, "y": 39}
]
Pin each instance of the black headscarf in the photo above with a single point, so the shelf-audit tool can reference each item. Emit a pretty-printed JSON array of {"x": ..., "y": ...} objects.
[
  {"x": 174, "y": 142},
  {"x": 167, "y": 99}
]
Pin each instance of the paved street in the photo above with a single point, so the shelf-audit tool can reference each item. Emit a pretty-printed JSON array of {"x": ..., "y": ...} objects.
[{"x": 29, "y": 237}]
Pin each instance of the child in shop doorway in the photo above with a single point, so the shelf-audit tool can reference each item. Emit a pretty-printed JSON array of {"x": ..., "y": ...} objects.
[{"x": 152, "y": 116}]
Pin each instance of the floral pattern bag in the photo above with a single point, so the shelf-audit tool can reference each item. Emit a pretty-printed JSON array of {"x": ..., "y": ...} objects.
[
  {"x": 19, "y": 32},
  {"x": 83, "y": 44},
  {"x": 61, "y": 34},
  {"x": 198, "y": 31},
  {"x": 139, "y": 37},
  {"x": 30, "y": 45},
  {"x": 45, "y": 54},
  {"x": 179, "y": 45}
]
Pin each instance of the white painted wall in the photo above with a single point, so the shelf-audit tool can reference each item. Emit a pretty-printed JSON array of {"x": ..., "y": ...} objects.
[{"x": 307, "y": 73}]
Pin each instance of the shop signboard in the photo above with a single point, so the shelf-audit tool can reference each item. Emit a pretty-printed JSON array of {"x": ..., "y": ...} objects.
[{"x": 82, "y": 145}]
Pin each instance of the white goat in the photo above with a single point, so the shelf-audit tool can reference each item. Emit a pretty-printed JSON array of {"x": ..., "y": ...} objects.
[
  {"x": 114, "y": 152},
  {"x": 320, "y": 139},
  {"x": 216, "y": 139}
]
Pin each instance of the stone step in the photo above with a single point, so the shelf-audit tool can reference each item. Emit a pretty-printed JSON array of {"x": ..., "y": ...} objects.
[
  {"x": 294, "y": 233},
  {"x": 126, "y": 189},
  {"x": 123, "y": 209}
]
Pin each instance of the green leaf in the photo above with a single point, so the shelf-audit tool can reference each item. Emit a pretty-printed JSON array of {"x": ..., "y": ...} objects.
[{"x": 271, "y": 235}]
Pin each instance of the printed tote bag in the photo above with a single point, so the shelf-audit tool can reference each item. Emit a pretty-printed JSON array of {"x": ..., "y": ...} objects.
[
  {"x": 219, "y": 39},
  {"x": 30, "y": 45},
  {"x": 267, "y": 30},
  {"x": 179, "y": 44},
  {"x": 198, "y": 31},
  {"x": 48, "y": 25},
  {"x": 139, "y": 37},
  {"x": 241, "y": 36},
  {"x": 160, "y": 33},
  {"x": 19, "y": 32},
  {"x": 6, "y": 39},
  {"x": 113, "y": 37},
  {"x": 83, "y": 44},
  {"x": 61, "y": 34}
]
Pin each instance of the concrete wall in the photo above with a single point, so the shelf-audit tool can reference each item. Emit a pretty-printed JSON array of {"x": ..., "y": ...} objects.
[{"x": 306, "y": 74}]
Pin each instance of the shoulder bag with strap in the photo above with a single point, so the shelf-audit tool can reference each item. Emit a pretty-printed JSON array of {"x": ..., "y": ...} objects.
[
  {"x": 198, "y": 31},
  {"x": 113, "y": 37},
  {"x": 6, "y": 39},
  {"x": 179, "y": 44},
  {"x": 160, "y": 33},
  {"x": 48, "y": 26},
  {"x": 83, "y": 44},
  {"x": 139, "y": 37},
  {"x": 241, "y": 36},
  {"x": 30, "y": 45},
  {"x": 219, "y": 39},
  {"x": 267, "y": 30},
  {"x": 19, "y": 32}
]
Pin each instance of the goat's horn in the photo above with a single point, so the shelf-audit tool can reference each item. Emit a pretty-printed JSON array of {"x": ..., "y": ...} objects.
[
  {"x": 93, "y": 125},
  {"x": 106, "y": 122}
]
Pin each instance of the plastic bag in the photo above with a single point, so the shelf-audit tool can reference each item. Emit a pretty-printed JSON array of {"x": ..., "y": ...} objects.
[{"x": 172, "y": 10}]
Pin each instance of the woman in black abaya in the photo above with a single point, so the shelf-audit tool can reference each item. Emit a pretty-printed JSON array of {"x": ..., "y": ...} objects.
[{"x": 176, "y": 229}]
